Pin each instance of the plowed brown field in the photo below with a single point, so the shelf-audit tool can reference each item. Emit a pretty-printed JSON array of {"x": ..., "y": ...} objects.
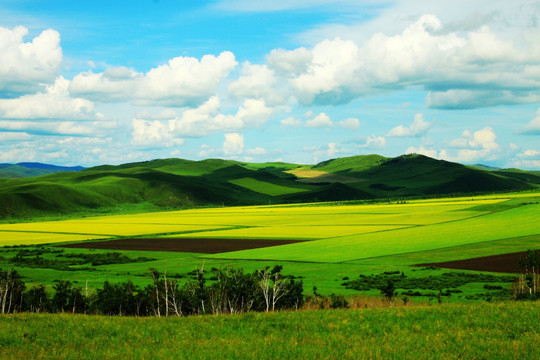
[
  {"x": 205, "y": 246},
  {"x": 505, "y": 263}
]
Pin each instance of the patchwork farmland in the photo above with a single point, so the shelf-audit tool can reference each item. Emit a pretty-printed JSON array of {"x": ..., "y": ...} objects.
[{"x": 321, "y": 242}]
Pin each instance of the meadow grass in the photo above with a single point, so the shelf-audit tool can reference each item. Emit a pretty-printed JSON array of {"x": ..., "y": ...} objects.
[
  {"x": 473, "y": 331},
  {"x": 520, "y": 221},
  {"x": 266, "y": 188},
  {"x": 10, "y": 238}
]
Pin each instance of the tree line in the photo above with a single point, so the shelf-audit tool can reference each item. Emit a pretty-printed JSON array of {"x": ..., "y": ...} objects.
[{"x": 229, "y": 291}]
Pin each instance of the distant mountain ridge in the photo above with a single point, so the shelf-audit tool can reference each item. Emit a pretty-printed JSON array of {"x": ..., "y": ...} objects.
[
  {"x": 30, "y": 169},
  {"x": 177, "y": 183}
]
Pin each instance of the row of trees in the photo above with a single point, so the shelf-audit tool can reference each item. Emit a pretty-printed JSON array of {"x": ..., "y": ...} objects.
[{"x": 230, "y": 291}]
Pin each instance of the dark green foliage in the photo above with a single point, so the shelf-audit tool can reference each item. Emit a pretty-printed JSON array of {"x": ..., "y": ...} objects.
[
  {"x": 33, "y": 258},
  {"x": 338, "y": 302},
  {"x": 121, "y": 299},
  {"x": 233, "y": 291},
  {"x": 527, "y": 286},
  {"x": 530, "y": 263},
  {"x": 68, "y": 298},
  {"x": 37, "y": 300},
  {"x": 445, "y": 283},
  {"x": 11, "y": 291},
  {"x": 388, "y": 290},
  {"x": 108, "y": 258}
]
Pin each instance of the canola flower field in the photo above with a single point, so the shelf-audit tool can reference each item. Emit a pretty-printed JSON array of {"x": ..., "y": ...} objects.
[{"x": 338, "y": 232}]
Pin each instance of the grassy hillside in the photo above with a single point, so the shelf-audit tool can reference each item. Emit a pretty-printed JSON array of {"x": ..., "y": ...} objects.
[
  {"x": 178, "y": 183},
  {"x": 479, "y": 331}
]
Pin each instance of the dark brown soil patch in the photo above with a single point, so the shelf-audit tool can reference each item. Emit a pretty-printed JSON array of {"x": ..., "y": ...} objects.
[
  {"x": 205, "y": 246},
  {"x": 504, "y": 263}
]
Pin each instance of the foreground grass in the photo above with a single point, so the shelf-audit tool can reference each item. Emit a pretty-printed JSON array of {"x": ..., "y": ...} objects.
[{"x": 479, "y": 331}]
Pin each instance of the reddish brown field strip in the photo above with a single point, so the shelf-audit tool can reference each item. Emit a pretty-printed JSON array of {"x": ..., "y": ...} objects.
[
  {"x": 505, "y": 263},
  {"x": 205, "y": 246}
]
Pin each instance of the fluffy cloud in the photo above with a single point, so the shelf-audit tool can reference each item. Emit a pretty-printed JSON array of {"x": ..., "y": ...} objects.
[
  {"x": 14, "y": 136},
  {"x": 252, "y": 113},
  {"x": 153, "y": 134},
  {"x": 320, "y": 153},
  {"x": 183, "y": 81},
  {"x": 54, "y": 103},
  {"x": 330, "y": 75},
  {"x": 114, "y": 84},
  {"x": 533, "y": 127},
  {"x": 291, "y": 121},
  {"x": 480, "y": 145},
  {"x": 233, "y": 144},
  {"x": 292, "y": 62},
  {"x": 350, "y": 123},
  {"x": 17, "y": 155},
  {"x": 23, "y": 65},
  {"x": 51, "y": 127},
  {"x": 256, "y": 81},
  {"x": 418, "y": 128},
  {"x": 207, "y": 118},
  {"x": 468, "y": 69},
  {"x": 321, "y": 120},
  {"x": 318, "y": 121},
  {"x": 373, "y": 142},
  {"x": 531, "y": 153},
  {"x": 256, "y": 151}
]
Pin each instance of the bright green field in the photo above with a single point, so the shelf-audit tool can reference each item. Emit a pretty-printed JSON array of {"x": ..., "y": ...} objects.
[
  {"x": 266, "y": 188},
  {"x": 478, "y": 331},
  {"x": 345, "y": 239}
]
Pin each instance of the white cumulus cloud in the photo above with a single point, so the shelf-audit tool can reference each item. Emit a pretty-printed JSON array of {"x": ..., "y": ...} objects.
[
  {"x": 459, "y": 69},
  {"x": 480, "y": 145},
  {"x": 23, "y": 65},
  {"x": 233, "y": 144},
  {"x": 373, "y": 142},
  {"x": 54, "y": 103},
  {"x": 418, "y": 127},
  {"x": 350, "y": 123},
  {"x": 321, "y": 120},
  {"x": 153, "y": 133},
  {"x": 183, "y": 81},
  {"x": 533, "y": 127}
]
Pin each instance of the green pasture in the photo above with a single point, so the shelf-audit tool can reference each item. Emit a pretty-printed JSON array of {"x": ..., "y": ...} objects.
[
  {"x": 266, "y": 188},
  {"x": 347, "y": 240},
  {"x": 473, "y": 331},
  {"x": 520, "y": 221}
]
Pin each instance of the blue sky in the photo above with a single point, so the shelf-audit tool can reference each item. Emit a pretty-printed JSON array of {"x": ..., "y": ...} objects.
[{"x": 87, "y": 83}]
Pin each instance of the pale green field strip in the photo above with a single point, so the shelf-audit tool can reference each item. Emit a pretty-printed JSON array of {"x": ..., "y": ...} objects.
[
  {"x": 520, "y": 221},
  {"x": 100, "y": 226},
  {"x": 290, "y": 232},
  {"x": 266, "y": 188},
  {"x": 9, "y": 238},
  {"x": 461, "y": 252}
]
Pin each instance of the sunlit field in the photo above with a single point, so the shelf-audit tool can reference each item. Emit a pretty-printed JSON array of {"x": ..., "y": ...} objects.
[
  {"x": 481, "y": 331},
  {"x": 341, "y": 239}
]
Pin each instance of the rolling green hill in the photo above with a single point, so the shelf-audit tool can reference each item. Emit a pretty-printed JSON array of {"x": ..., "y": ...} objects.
[{"x": 177, "y": 183}]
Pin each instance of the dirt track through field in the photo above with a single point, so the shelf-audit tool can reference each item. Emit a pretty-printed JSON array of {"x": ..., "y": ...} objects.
[
  {"x": 205, "y": 246},
  {"x": 505, "y": 263}
]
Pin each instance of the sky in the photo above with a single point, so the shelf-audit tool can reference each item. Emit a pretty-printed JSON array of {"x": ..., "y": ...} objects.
[{"x": 111, "y": 82}]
